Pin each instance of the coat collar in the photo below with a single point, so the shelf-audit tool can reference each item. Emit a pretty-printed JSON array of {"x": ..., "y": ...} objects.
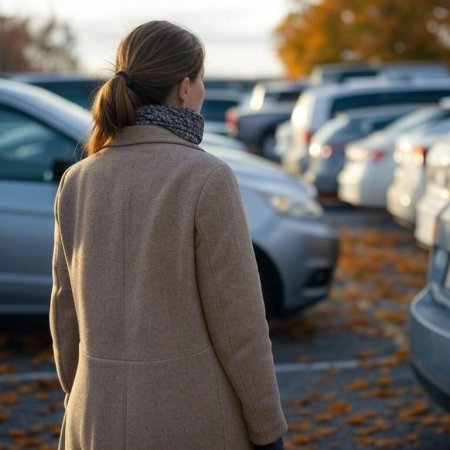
[{"x": 148, "y": 134}]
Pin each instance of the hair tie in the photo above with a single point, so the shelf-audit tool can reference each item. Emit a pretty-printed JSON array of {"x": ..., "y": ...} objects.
[
  {"x": 134, "y": 86},
  {"x": 127, "y": 77}
]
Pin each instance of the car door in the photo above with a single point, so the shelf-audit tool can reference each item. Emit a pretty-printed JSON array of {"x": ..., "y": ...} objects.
[{"x": 30, "y": 154}]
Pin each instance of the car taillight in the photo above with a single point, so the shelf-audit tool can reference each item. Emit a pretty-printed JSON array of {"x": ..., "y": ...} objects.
[
  {"x": 363, "y": 155},
  {"x": 419, "y": 154},
  {"x": 376, "y": 155},
  {"x": 231, "y": 119},
  {"x": 308, "y": 134},
  {"x": 231, "y": 116},
  {"x": 326, "y": 151}
]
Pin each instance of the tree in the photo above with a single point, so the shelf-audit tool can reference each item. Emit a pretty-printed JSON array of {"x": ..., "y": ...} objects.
[
  {"x": 361, "y": 31},
  {"x": 46, "y": 47}
]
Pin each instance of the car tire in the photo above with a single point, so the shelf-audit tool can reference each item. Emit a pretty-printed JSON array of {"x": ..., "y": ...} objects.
[{"x": 270, "y": 284}]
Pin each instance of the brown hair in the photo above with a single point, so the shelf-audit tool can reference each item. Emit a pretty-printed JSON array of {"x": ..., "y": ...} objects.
[{"x": 151, "y": 60}]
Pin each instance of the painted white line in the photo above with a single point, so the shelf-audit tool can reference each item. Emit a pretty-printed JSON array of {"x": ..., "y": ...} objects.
[
  {"x": 316, "y": 366},
  {"x": 27, "y": 376},
  {"x": 279, "y": 368}
]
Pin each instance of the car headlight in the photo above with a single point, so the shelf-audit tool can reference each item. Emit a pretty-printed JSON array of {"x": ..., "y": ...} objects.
[{"x": 306, "y": 208}]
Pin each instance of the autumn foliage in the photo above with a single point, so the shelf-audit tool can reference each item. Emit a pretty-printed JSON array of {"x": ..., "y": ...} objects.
[
  {"x": 26, "y": 45},
  {"x": 358, "y": 30}
]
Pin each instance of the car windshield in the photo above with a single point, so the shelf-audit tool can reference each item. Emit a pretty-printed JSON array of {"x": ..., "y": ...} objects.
[
  {"x": 424, "y": 117},
  {"x": 327, "y": 131}
]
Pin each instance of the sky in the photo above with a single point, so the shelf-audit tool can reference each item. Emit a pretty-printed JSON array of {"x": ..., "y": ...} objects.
[{"x": 238, "y": 34}]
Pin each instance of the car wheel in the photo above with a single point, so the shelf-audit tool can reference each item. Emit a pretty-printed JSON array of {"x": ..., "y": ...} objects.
[{"x": 270, "y": 283}]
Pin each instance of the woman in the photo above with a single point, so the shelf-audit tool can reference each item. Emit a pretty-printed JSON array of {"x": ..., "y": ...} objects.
[{"x": 157, "y": 318}]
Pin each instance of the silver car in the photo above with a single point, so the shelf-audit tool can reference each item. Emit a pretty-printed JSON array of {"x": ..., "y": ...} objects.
[
  {"x": 408, "y": 184},
  {"x": 430, "y": 320},
  {"x": 437, "y": 192},
  {"x": 327, "y": 148},
  {"x": 369, "y": 163},
  {"x": 41, "y": 134}
]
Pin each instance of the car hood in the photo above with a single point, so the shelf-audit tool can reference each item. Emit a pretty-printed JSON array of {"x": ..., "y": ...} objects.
[{"x": 259, "y": 174}]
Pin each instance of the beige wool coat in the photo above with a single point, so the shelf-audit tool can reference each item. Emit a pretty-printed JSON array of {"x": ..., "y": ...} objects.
[{"x": 158, "y": 325}]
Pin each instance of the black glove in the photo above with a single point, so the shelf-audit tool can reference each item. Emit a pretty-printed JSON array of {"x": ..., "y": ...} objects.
[{"x": 277, "y": 445}]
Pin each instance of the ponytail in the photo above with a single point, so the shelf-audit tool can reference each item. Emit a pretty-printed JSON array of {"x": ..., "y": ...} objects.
[{"x": 114, "y": 107}]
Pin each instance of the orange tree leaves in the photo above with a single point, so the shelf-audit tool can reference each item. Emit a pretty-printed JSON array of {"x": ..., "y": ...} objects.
[{"x": 357, "y": 30}]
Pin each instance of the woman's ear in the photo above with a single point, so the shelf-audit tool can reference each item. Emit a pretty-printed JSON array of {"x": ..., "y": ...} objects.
[{"x": 183, "y": 90}]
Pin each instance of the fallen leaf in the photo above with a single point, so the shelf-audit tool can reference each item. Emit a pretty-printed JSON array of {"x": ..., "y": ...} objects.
[{"x": 357, "y": 384}]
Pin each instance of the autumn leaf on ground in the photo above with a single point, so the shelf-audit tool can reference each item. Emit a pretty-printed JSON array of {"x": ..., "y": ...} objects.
[
  {"x": 306, "y": 400},
  {"x": 9, "y": 398},
  {"x": 357, "y": 384},
  {"x": 300, "y": 426},
  {"x": 379, "y": 424},
  {"x": 416, "y": 408},
  {"x": 390, "y": 315}
]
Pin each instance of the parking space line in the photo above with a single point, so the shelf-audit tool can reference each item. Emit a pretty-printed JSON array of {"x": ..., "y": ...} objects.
[
  {"x": 316, "y": 366},
  {"x": 279, "y": 368},
  {"x": 27, "y": 376}
]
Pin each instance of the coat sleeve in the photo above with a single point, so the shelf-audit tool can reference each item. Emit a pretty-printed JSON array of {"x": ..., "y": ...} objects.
[
  {"x": 233, "y": 306},
  {"x": 63, "y": 318}
]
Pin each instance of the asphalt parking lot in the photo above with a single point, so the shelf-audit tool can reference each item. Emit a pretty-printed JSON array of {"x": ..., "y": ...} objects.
[{"x": 342, "y": 365}]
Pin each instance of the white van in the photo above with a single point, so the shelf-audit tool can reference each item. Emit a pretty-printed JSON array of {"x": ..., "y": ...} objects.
[{"x": 316, "y": 105}]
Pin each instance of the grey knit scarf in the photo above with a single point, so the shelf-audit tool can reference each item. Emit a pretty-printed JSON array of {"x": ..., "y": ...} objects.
[{"x": 184, "y": 122}]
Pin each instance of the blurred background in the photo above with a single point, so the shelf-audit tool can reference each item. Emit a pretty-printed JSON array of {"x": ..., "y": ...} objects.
[
  {"x": 62, "y": 35},
  {"x": 252, "y": 38},
  {"x": 335, "y": 117}
]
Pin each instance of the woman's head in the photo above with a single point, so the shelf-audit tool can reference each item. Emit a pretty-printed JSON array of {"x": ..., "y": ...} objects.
[{"x": 157, "y": 63}]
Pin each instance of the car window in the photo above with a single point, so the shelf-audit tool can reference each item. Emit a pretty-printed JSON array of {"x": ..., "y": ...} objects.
[
  {"x": 422, "y": 117},
  {"x": 29, "y": 149},
  {"x": 80, "y": 92},
  {"x": 439, "y": 127},
  {"x": 386, "y": 98},
  {"x": 377, "y": 124},
  {"x": 289, "y": 96},
  {"x": 214, "y": 110}
]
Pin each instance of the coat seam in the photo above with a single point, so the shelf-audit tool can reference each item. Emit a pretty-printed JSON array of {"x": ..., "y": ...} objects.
[
  {"x": 154, "y": 361},
  {"x": 57, "y": 295},
  {"x": 220, "y": 404},
  {"x": 221, "y": 166}
]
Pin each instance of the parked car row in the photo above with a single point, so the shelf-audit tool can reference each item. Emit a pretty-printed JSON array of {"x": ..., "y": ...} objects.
[
  {"x": 369, "y": 163},
  {"x": 403, "y": 167},
  {"x": 368, "y": 141},
  {"x": 327, "y": 148},
  {"x": 41, "y": 134},
  {"x": 317, "y": 105}
]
